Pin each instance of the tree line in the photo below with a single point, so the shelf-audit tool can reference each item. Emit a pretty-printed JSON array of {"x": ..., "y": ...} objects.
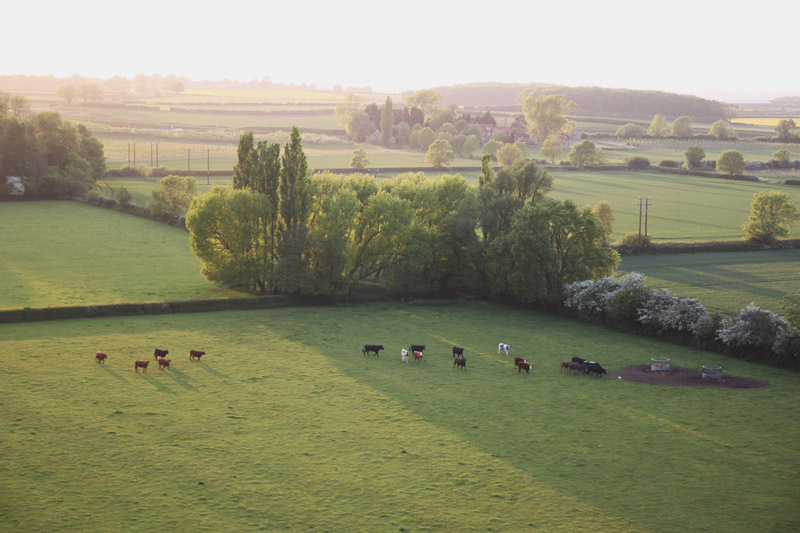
[
  {"x": 48, "y": 156},
  {"x": 280, "y": 229}
]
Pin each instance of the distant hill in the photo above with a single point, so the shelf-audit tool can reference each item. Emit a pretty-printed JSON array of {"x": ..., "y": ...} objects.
[{"x": 592, "y": 101}]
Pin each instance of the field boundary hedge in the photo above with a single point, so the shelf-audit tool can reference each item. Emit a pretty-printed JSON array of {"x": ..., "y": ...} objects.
[{"x": 712, "y": 246}]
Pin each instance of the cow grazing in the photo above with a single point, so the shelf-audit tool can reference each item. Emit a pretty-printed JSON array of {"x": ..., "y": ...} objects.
[
  {"x": 140, "y": 364},
  {"x": 417, "y": 347},
  {"x": 594, "y": 368},
  {"x": 503, "y": 348},
  {"x": 461, "y": 362},
  {"x": 564, "y": 364},
  {"x": 417, "y": 356},
  {"x": 164, "y": 363},
  {"x": 404, "y": 355},
  {"x": 577, "y": 359},
  {"x": 524, "y": 366},
  {"x": 196, "y": 354},
  {"x": 100, "y": 358},
  {"x": 457, "y": 350},
  {"x": 518, "y": 360},
  {"x": 157, "y": 354},
  {"x": 369, "y": 348}
]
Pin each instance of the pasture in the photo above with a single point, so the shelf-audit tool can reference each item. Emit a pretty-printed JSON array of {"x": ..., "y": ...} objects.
[
  {"x": 65, "y": 253},
  {"x": 724, "y": 281},
  {"x": 286, "y": 425}
]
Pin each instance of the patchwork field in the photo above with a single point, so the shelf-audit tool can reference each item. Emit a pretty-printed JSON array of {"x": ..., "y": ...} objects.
[
  {"x": 66, "y": 253},
  {"x": 286, "y": 425},
  {"x": 723, "y": 282}
]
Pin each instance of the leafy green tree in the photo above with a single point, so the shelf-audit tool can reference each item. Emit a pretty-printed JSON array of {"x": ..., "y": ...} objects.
[
  {"x": 547, "y": 115},
  {"x": 631, "y": 131},
  {"x": 90, "y": 92},
  {"x": 19, "y": 105},
  {"x": 343, "y": 111},
  {"x": 425, "y": 100},
  {"x": 550, "y": 244},
  {"x": 682, "y": 127},
  {"x": 731, "y": 162},
  {"x": 68, "y": 93},
  {"x": 790, "y": 309},
  {"x": 19, "y": 148},
  {"x": 508, "y": 154},
  {"x": 471, "y": 143},
  {"x": 123, "y": 196},
  {"x": 782, "y": 157},
  {"x": 585, "y": 153},
  {"x": 602, "y": 210},
  {"x": 785, "y": 129},
  {"x": 57, "y": 138},
  {"x": 487, "y": 171},
  {"x": 658, "y": 127},
  {"x": 360, "y": 127},
  {"x": 229, "y": 232},
  {"x": 360, "y": 159},
  {"x": 442, "y": 116},
  {"x": 173, "y": 195},
  {"x": 425, "y": 137},
  {"x": 402, "y": 133},
  {"x": 439, "y": 154},
  {"x": 694, "y": 156},
  {"x": 552, "y": 148},
  {"x": 491, "y": 147},
  {"x": 387, "y": 121},
  {"x": 772, "y": 215},
  {"x": 722, "y": 130}
]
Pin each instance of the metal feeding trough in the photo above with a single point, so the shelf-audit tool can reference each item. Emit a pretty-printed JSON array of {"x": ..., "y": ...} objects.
[
  {"x": 712, "y": 372},
  {"x": 659, "y": 365}
]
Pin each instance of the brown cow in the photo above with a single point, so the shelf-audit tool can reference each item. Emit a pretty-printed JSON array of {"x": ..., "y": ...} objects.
[
  {"x": 157, "y": 354},
  {"x": 164, "y": 363},
  {"x": 524, "y": 366},
  {"x": 576, "y": 367},
  {"x": 564, "y": 364},
  {"x": 518, "y": 360},
  {"x": 195, "y": 354},
  {"x": 461, "y": 362},
  {"x": 417, "y": 356},
  {"x": 100, "y": 357},
  {"x": 141, "y": 364}
]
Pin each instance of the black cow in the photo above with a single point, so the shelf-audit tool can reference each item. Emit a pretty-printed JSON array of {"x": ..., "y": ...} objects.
[
  {"x": 594, "y": 368},
  {"x": 160, "y": 353},
  {"x": 368, "y": 348},
  {"x": 417, "y": 348},
  {"x": 577, "y": 359},
  {"x": 457, "y": 350},
  {"x": 461, "y": 362}
]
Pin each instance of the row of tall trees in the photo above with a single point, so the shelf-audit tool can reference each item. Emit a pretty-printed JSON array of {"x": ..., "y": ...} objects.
[
  {"x": 280, "y": 229},
  {"x": 50, "y": 155}
]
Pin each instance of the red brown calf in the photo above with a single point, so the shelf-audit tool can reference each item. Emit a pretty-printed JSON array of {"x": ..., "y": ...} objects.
[
  {"x": 524, "y": 366},
  {"x": 518, "y": 360},
  {"x": 196, "y": 354},
  {"x": 164, "y": 363},
  {"x": 564, "y": 364},
  {"x": 100, "y": 357},
  {"x": 140, "y": 364},
  {"x": 417, "y": 356}
]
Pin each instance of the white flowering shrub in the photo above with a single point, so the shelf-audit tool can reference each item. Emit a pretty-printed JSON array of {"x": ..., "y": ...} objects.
[
  {"x": 757, "y": 328},
  {"x": 595, "y": 297},
  {"x": 673, "y": 313}
]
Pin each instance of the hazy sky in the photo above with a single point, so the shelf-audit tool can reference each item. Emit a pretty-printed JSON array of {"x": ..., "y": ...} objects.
[{"x": 681, "y": 46}]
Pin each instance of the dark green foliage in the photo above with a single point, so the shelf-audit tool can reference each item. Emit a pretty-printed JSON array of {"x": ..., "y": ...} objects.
[
  {"x": 670, "y": 163},
  {"x": 638, "y": 162}
]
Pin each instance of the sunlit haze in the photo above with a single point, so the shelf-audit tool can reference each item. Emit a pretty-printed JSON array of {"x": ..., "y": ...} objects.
[{"x": 695, "y": 47}]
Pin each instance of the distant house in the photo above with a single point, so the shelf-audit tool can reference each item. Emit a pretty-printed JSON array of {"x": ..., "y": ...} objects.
[{"x": 486, "y": 132}]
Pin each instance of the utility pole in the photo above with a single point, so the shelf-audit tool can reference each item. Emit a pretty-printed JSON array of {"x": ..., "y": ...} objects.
[
  {"x": 151, "y": 154},
  {"x": 156, "y": 154},
  {"x": 134, "y": 154},
  {"x": 188, "y": 160},
  {"x": 129, "y": 154},
  {"x": 208, "y": 166}
]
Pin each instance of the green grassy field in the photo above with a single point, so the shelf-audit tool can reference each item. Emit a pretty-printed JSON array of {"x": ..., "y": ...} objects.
[
  {"x": 724, "y": 282},
  {"x": 285, "y": 425},
  {"x": 64, "y": 253},
  {"x": 684, "y": 208}
]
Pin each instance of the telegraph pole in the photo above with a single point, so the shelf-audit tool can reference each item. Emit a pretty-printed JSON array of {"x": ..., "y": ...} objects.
[
  {"x": 208, "y": 166},
  {"x": 188, "y": 160},
  {"x": 644, "y": 205}
]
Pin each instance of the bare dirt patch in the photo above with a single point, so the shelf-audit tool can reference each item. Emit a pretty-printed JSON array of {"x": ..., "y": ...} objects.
[{"x": 687, "y": 377}]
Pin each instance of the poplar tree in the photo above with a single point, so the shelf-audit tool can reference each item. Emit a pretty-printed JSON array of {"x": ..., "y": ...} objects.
[
  {"x": 295, "y": 195},
  {"x": 387, "y": 121}
]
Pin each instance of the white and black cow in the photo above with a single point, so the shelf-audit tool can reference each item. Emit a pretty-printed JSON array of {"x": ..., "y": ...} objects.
[{"x": 503, "y": 348}]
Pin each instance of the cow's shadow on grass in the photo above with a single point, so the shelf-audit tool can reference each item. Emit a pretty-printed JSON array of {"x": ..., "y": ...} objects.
[
  {"x": 158, "y": 385},
  {"x": 181, "y": 379},
  {"x": 113, "y": 374},
  {"x": 214, "y": 372}
]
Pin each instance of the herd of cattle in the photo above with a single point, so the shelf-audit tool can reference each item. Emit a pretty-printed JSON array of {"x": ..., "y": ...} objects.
[
  {"x": 577, "y": 365},
  {"x": 158, "y": 355}
]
